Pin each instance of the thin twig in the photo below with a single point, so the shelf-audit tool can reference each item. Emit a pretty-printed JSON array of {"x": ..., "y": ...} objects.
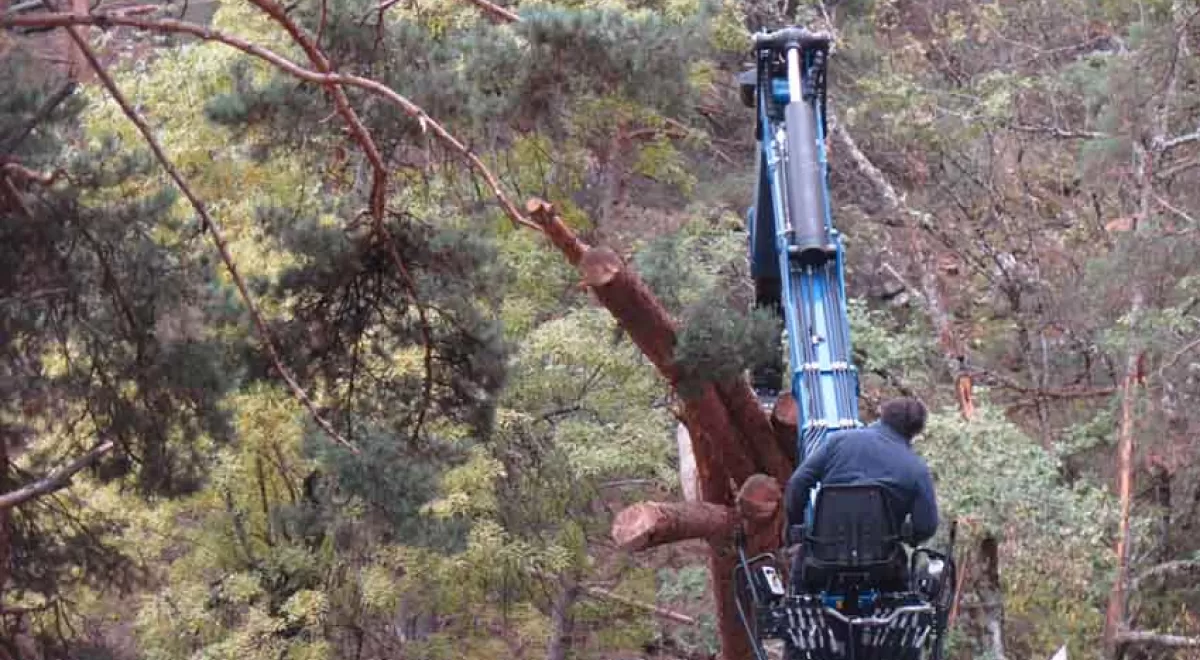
[
  {"x": 212, "y": 227},
  {"x": 1167, "y": 205},
  {"x": 1170, "y": 362},
  {"x": 604, "y": 594}
]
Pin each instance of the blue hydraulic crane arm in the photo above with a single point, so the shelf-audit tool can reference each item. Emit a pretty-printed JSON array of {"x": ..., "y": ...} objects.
[{"x": 792, "y": 235}]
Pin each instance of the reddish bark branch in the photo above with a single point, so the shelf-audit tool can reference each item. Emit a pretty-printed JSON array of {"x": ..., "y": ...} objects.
[
  {"x": 213, "y": 229},
  {"x": 732, "y": 438}
]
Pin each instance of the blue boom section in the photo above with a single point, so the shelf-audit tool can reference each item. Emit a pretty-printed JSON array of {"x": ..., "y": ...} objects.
[{"x": 823, "y": 378}]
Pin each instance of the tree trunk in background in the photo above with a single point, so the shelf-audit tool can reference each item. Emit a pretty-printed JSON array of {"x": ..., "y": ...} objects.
[
  {"x": 5, "y": 519},
  {"x": 1115, "y": 616},
  {"x": 731, "y": 437},
  {"x": 991, "y": 595},
  {"x": 561, "y": 620}
]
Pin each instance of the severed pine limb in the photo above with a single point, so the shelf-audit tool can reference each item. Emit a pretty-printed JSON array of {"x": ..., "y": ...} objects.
[
  {"x": 651, "y": 524},
  {"x": 732, "y": 439}
]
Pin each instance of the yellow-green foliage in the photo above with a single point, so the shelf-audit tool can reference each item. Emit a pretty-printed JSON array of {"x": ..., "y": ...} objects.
[{"x": 1054, "y": 539}]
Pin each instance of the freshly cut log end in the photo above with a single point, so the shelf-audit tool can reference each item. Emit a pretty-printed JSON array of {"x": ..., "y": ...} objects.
[
  {"x": 759, "y": 498},
  {"x": 600, "y": 266},
  {"x": 539, "y": 209}
]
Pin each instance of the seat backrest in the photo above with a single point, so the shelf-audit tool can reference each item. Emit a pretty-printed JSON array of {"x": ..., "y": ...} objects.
[{"x": 852, "y": 526}]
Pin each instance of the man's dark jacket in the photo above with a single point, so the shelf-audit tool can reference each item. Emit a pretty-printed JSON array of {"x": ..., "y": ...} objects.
[{"x": 876, "y": 453}]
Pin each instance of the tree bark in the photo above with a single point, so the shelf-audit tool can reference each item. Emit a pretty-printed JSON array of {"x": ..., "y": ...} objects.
[
  {"x": 732, "y": 438},
  {"x": 1148, "y": 154},
  {"x": 785, "y": 420}
]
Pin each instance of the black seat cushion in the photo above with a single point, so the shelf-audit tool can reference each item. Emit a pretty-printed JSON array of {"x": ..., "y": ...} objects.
[{"x": 852, "y": 541}]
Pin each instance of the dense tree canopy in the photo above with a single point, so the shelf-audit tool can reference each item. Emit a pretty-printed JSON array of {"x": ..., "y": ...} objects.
[{"x": 329, "y": 394}]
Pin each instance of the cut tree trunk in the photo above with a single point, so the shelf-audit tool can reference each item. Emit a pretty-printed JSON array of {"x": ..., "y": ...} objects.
[{"x": 732, "y": 439}]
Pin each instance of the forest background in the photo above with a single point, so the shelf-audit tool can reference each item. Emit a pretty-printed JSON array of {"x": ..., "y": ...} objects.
[{"x": 320, "y": 388}]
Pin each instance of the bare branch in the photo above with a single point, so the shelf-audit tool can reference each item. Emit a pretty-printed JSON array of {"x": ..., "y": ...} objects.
[
  {"x": 1151, "y": 638},
  {"x": 496, "y": 11},
  {"x": 1179, "y": 212},
  {"x": 213, "y": 229},
  {"x": 59, "y": 478},
  {"x": 1062, "y": 133},
  {"x": 894, "y": 201},
  {"x": 1171, "y": 569},
  {"x": 1167, "y": 145},
  {"x": 321, "y": 64},
  {"x": 1177, "y": 355}
]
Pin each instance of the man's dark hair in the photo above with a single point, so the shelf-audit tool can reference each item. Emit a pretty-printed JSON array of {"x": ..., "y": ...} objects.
[{"x": 905, "y": 414}]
